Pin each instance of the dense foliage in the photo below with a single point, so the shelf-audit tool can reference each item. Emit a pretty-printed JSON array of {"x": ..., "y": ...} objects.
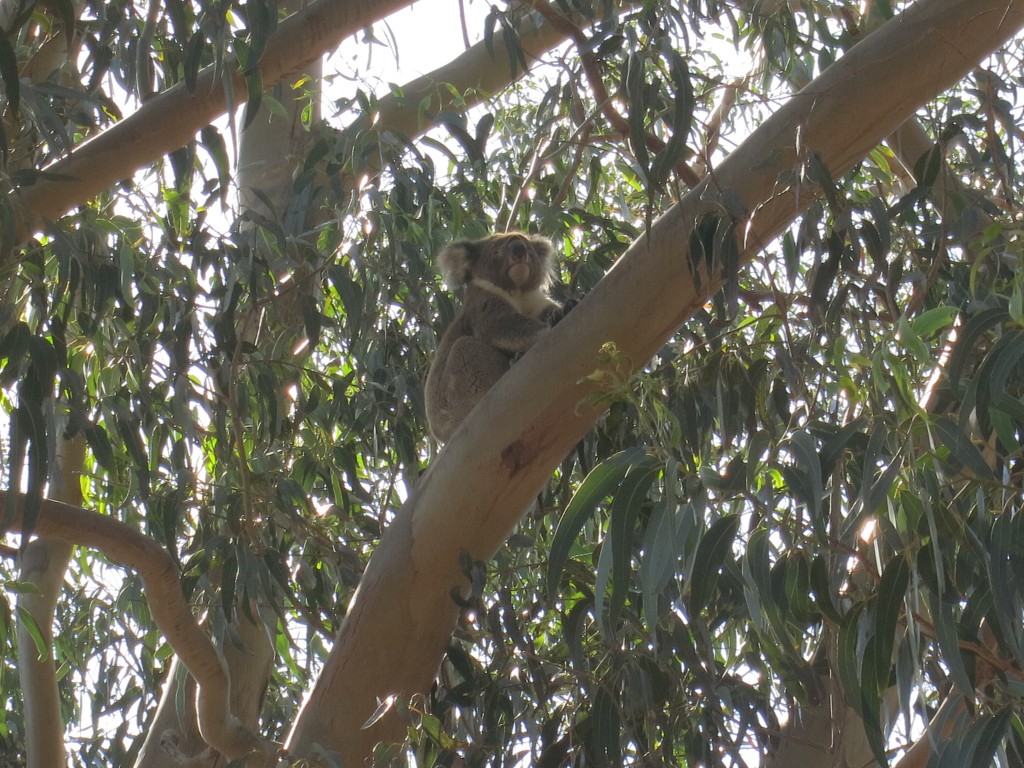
[{"x": 821, "y": 471}]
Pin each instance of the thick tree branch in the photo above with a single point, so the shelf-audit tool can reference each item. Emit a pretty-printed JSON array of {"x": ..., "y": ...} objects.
[
  {"x": 474, "y": 75},
  {"x": 171, "y": 118},
  {"x": 471, "y": 497},
  {"x": 128, "y": 548}
]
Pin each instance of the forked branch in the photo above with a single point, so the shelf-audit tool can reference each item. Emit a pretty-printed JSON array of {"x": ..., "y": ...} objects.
[{"x": 128, "y": 548}]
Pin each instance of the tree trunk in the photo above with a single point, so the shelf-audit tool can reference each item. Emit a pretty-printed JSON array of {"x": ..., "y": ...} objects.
[
  {"x": 471, "y": 497},
  {"x": 270, "y": 148},
  {"x": 43, "y": 564},
  {"x": 173, "y": 736}
]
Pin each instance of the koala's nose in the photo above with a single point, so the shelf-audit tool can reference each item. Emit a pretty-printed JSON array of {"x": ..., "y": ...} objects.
[{"x": 519, "y": 249}]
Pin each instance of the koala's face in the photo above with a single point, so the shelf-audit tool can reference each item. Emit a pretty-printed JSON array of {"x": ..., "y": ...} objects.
[{"x": 513, "y": 261}]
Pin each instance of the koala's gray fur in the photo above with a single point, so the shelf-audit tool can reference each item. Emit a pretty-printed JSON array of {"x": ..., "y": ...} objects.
[{"x": 506, "y": 309}]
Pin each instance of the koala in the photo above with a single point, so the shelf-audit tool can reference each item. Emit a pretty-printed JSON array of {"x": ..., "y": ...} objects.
[{"x": 506, "y": 309}]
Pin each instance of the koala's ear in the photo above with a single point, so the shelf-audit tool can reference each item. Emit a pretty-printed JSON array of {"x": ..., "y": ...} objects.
[
  {"x": 546, "y": 250},
  {"x": 456, "y": 262},
  {"x": 544, "y": 246}
]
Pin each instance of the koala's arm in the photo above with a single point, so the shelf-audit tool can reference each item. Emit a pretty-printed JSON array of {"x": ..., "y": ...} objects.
[{"x": 501, "y": 325}]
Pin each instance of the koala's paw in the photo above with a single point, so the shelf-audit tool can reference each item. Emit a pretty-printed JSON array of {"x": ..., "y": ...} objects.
[{"x": 556, "y": 317}]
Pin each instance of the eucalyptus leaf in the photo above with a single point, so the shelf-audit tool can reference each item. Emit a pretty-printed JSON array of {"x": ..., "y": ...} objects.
[{"x": 597, "y": 486}]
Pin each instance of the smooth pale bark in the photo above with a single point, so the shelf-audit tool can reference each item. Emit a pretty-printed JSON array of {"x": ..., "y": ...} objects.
[
  {"x": 171, "y": 118},
  {"x": 829, "y": 734},
  {"x": 171, "y": 613},
  {"x": 173, "y": 737},
  {"x": 474, "y": 493},
  {"x": 271, "y": 148},
  {"x": 43, "y": 564}
]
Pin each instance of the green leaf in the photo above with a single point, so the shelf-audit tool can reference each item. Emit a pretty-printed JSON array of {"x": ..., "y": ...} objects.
[
  {"x": 656, "y": 561},
  {"x": 254, "y": 95},
  {"x": 987, "y": 734},
  {"x": 806, "y": 453},
  {"x": 193, "y": 60},
  {"x": 606, "y": 726},
  {"x": 1004, "y": 547},
  {"x": 927, "y": 167},
  {"x": 969, "y": 340},
  {"x": 911, "y": 341},
  {"x": 99, "y": 443},
  {"x": 682, "y": 121},
  {"x": 228, "y": 582},
  {"x": 822, "y": 591},
  {"x": 974, "y": 743},
  {"x": 930, "y": 322},
  {"x": 999, "y": 366},
  {"x": 883, "y": 225},
  {"x": 874, "y": 490},
  {"x": 763, "y": 601},
  {"x": 601, "y": 579},
  {"x": 949, "y": 643},
  {"x": 846, "y": 658},
  {"x": 13, "y": 347},
  {"x": 595, "y": 488},
  {"x": 635, "y": 90},
  {"x": 711, "y": 553},
  {"x": 891, "y": 590},
  {"x": 833, "y": 445},
  {"x": 28, "y": 621},
  {"x": 626, "y": 506},
  {"x": 9, "y": 76},
  {"x": 212, "y": 141},
  {"x": 870, "y": 704},
  {"x": 962, "y": 450}
]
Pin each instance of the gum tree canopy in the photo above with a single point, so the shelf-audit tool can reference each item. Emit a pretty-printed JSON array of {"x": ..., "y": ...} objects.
[{"x": 757, "y": 500}]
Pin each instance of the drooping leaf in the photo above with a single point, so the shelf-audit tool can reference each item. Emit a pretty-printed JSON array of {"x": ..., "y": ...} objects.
[
  {"x": 949, "y": 644},
  {"x": 9, "y": 77},
  {"x": 969, "y": 340},
  {"x": 806, "y": 453},
  {"x": 848, "y": 655},
  {"x": 997, "y": 371},
  {"x": 822, "y": 591},
  {"x": 605, "y": 728},
  {"x": 27, "y": 621},
  {"x": 711, "y": 554},
  {"x": 891, "y": 590},
  {"x": 625, "y": 510},
  {"x": 928, "y": 166},
  {"x": 601, "y": 481},
  {"x": 963, "y": 451}
]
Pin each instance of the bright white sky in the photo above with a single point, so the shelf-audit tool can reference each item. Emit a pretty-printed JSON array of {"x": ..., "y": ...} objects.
[{"x": 417, "y": 40}]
